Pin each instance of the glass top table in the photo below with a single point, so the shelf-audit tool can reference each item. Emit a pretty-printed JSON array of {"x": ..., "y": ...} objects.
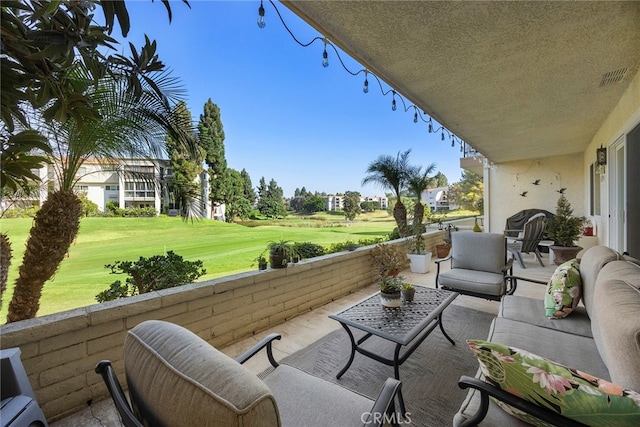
[{"x": 407, "y": 326}]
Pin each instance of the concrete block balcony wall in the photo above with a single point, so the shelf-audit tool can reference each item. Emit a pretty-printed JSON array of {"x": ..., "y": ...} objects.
[{"x": 60, "y": 351}]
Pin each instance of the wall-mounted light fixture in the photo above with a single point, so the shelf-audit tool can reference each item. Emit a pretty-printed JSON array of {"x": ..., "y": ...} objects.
[{"x": 601, "y": 156}]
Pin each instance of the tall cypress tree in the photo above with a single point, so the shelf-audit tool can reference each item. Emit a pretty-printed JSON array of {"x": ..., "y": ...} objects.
[
  {"x": 211, "y": 135},
  {"x": 249, "y": 192}
]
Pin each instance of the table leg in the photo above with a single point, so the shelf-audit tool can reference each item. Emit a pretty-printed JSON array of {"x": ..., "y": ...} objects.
[
  {"x": 396, "y": 371},
  {"x": 442, "y": 329},
  {"x": 353, "y": 351}
]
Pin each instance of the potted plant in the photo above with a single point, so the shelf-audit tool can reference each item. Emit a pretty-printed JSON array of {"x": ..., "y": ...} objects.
[
  {"x": 261, "y": 260},
  {"x": 388, "y": 260},
  {"x": 280, "y": 253},
  {"x": 442, "y": 249},
  {"x": 419, "y": 258},
  {"x": 564, "y": 229},
  {"x": 390, "y": 287},
  {"x": 408, "y": 291}
]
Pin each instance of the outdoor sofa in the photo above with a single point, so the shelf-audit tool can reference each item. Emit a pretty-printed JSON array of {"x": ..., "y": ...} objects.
[{"x": 601, "y": 337}]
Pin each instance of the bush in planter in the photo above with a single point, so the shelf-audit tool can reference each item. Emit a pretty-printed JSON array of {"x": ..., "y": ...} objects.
[
  {"x": 388, "y": 259},
  {"x": 564, "y": 228}
]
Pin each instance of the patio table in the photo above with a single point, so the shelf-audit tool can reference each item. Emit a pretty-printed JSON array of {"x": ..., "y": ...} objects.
[{"x": 406, "y": 326}]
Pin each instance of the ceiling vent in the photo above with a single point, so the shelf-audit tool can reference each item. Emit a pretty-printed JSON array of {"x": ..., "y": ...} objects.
[{"x": 613, "y": 76}]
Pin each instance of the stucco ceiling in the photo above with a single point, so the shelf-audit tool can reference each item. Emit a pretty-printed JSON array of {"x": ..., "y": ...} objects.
[{"x": 516, "y": 80}]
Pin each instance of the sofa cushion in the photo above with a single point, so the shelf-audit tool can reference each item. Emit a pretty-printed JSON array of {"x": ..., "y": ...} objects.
[
  {"x": 175, "y": 376},
  {"x": 591, "y": 263},
  {"x": 527, "y": 310},
  {"x": 616, "y": 329},
  {"x": 563, "y": 290},
  {"x": 552, "y": 344},
  {"x": 566, "y": 391}
]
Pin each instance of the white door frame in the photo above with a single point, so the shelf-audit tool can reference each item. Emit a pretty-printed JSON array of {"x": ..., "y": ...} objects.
[{"x": 616, "y": 163}]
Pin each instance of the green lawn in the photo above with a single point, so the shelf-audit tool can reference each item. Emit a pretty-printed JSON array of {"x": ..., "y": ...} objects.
[{"x": 224, "y": 248}]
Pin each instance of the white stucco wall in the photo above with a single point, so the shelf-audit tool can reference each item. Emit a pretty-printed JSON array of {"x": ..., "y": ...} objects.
[{"x": 508, "y": 181}]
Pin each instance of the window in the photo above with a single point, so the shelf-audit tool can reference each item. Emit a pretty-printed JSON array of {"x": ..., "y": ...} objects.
[
  {"x": 78, "y": 188},
  {"x": 112, "y": 187}
]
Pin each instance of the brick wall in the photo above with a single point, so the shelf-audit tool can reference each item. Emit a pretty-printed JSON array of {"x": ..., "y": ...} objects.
[{"x": 60, "y": 351}]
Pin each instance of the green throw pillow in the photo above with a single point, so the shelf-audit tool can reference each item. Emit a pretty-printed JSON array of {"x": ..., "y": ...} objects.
[
  {"x": 568, "y": 392},
  {"x": 563, "y": 290}
]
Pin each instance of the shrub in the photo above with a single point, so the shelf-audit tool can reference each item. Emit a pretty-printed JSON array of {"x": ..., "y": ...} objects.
[
  {"x": 308, "y": 250},
  {"x": 151, "y": 274}
]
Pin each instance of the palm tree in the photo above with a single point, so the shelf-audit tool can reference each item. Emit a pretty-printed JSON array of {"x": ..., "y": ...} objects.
[
  {"x": 131, "y": 124},
  {"x": 390, "y": 173},
  {"x": 418, "y": 181}
]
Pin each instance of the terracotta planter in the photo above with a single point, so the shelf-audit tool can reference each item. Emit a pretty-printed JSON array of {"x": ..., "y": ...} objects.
[
  {"x": 563, "y": 254},
  {"x": 390, "y": 300},
  {"x": 442, "y": 250}
]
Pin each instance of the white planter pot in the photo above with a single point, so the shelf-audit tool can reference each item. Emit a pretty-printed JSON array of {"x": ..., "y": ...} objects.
[
  {"x": 391, "y": 300},
  {"x": 420, "y": 263}
]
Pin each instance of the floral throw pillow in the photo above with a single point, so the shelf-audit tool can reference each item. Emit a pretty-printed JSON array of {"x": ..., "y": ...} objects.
[
  {"x": 563, "y": 290},
  {"x": 568, "y": 392}
]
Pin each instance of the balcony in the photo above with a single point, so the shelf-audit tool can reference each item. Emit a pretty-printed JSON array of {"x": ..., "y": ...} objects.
[{"x": 60, "y": 351}]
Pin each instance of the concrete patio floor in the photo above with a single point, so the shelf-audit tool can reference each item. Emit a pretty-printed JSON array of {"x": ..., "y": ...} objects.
[{"x": 303, "y": 330}]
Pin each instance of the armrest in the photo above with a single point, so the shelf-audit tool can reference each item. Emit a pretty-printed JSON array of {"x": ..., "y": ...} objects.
[
  {"x": 384, "y": 403},
  {"x": 487, "y": 390},
  {"x": 439, "y": 260},
  {"x": 264, "y": 342},
  {"x": 105, "y": 369}
]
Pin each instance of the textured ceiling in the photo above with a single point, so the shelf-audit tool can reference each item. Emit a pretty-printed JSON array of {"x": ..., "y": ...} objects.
[{"x": 516, "y": 80}]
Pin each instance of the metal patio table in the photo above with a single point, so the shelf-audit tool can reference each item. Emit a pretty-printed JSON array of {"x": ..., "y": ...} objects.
[{"x": 407, "y": 326}]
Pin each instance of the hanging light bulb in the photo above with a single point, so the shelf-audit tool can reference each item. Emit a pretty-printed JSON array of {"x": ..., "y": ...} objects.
[
  {"x": 393, "y": 102},
  {"x": 453, "y": 143},
  {"x": 415, "y": 115},
  {"x": 442, "y": 135},
  {"x": 325, "y": 56},
  {"x": 365, "y": 88},
  {"x": 430, "y": 126},
  {"x": 261, "y": 23}
]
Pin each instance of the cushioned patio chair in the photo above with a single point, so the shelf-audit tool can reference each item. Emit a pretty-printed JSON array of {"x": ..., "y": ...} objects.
[
  {"x": 19, "y": 406},
  {"x": 528, "y": 239},
  {"x": 479, "y": 265},
  {"x": 175, "y": 378}
]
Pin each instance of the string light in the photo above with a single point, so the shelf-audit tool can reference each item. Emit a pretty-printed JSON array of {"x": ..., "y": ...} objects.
[
  {"x": 261, "y": 23},
  {"x": 365, "y": 88},
  {"x": 325, "y": 56}
]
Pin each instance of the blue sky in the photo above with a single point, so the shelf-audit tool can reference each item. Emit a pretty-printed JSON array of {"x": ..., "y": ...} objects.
[{"x": 285, "y": 116}]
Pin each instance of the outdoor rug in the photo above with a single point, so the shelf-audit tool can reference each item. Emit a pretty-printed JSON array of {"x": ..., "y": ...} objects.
[{"x": 429, "y": 376}]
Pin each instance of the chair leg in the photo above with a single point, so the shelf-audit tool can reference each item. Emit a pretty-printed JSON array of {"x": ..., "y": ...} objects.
[
  {"x": 539, "y": 256},
  {"x": 518, "y": 256}
]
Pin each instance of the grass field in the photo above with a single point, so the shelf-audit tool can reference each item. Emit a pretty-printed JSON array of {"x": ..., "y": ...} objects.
[{"x": 224, "y": 248}]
